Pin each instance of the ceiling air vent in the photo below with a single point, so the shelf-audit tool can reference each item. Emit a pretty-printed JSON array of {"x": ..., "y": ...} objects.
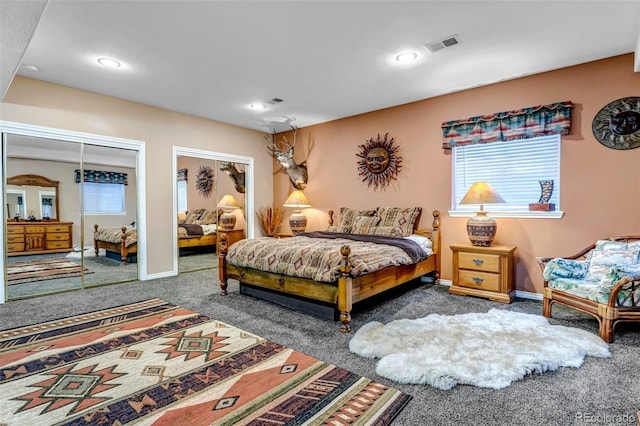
[
  {"x": 275, "y": 101},
  {"x": 450, "y": 41}
]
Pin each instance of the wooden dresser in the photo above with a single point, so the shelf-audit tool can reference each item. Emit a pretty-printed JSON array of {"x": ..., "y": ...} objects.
[
  {"x": 25, "y": 238},
  {"x": 484, "y": 271}
]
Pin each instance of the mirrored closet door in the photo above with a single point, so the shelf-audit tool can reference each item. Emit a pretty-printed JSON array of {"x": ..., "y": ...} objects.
[
  {"x": 55, "y": 191},
  {"x": 209, "y": 185}
]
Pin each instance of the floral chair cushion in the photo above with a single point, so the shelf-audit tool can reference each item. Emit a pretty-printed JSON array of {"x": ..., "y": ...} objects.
[
  {"x": 565, "y": 268},
  {"x": 603, "y": 259}
]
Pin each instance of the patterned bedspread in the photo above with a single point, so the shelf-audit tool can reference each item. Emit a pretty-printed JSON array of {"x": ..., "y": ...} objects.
[
  {"x": 114, "y": 235},
  {"x": 315, "y": 258}
]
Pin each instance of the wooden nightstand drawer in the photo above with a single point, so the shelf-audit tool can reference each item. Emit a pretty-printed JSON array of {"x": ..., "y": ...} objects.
[
  {"x": 15, "y": 229},
  {"x": 15, "y": 238},
  {"x": 56, "y": 245},
  {"x": 58, "y": 228},
  {"x": 35, "y": 229},
  {"x": 57, "y": 236},
  {"x": 14, "y": 247},
  {"x": 484, "y": 271},
  {"x": 479, "y": 280},
  {"x": 479, "y": 261}
]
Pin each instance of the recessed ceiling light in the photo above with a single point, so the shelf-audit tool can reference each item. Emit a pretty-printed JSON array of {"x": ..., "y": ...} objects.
[
  {"x": 257, "y": 107},
  {"x": 108, "y": 62},
  {"x": 406, "y": 57},
  {"x": 31, "y": 68}
]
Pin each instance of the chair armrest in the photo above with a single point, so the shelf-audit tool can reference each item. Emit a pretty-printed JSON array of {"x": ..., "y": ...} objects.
[{"x": 631, "y": 283}]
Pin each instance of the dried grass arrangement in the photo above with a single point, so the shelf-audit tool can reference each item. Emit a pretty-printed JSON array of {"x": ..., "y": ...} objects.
[{"x": 270, "y": 218}]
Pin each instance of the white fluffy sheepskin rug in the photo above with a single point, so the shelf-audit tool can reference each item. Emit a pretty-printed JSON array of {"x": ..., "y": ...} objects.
[{"x": 489, "y": 350}]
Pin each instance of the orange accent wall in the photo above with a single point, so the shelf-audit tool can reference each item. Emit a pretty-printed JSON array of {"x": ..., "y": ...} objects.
[{"x": 600, "y": 187}]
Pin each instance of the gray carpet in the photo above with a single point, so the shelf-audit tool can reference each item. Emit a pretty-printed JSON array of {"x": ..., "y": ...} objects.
[
  {"x": 102, "y": 270},
  {"x": 601, "y": 387}
]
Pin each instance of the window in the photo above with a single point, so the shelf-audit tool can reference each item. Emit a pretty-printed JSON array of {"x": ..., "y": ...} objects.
[
  {"x": 182, "y": 196},
  {"x": 513, "y": 169},
  {"x": 103, "y": 198}
]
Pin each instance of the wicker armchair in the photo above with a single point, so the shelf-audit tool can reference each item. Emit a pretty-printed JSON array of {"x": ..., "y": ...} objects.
[{"x": 612, "y": 296}]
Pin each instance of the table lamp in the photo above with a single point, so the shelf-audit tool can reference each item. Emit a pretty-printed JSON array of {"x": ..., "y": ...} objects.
[
  {"x": 297, "y": 201},
  {"x": 228, "y": 219},
  {"x": 481, "y": 228}
]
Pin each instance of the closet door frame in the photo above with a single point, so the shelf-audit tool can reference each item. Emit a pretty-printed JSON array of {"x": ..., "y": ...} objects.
[{"x": 23, "y": 129}]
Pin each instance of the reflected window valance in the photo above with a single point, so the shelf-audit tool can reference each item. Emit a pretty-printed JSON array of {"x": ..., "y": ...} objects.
[
  {"x": 100, "y": 176},
  {"x": 542, "y": 120},
  {"x": 182, "y": 174}
]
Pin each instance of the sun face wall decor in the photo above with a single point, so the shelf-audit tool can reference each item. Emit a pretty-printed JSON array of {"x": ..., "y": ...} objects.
[
  {"x": 617, "y": 124},
  {"x": 379, "y": 162},
  {"x": 205, "y": 180}
]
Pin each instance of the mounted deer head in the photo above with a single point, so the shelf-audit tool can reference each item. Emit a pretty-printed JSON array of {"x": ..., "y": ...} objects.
[
  {"x": 297, "y": 172},
  {"x": 236, "y": 175}
]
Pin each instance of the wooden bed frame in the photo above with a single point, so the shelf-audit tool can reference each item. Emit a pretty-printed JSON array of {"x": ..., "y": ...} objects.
[
  {"x": 196, "y": 241},
  {"x": 344, "y": 292}
]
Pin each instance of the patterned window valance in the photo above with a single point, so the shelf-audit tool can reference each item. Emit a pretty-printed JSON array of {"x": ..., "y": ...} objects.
[
  {"x": 182, "y": 174},
  {"x": 524, "y": 123},
  {"x": 100, "y": 176}
]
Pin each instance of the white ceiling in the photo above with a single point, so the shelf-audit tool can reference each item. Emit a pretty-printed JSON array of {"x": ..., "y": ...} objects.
[{"x": 326, "y": 59}]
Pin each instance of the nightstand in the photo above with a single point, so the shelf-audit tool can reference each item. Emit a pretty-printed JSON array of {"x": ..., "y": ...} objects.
[
  {"x": 484, "y": 271},
  {"x": 233, "y": 236}
]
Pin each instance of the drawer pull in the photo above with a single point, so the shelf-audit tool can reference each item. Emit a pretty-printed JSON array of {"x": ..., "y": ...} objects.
[
  {"x": 478, "y": 261},
  {"x": 478, "y": 280}
]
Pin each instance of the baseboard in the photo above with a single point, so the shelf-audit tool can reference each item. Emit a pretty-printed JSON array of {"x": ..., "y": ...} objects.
[{"x": 519, "y": 293}]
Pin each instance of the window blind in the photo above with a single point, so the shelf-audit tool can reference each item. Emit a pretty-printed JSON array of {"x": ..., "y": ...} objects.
[{"x": 513, "y": 169}]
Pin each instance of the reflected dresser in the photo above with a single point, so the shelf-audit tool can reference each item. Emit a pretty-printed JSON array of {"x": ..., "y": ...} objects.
[{"x": 25, "y": 238}]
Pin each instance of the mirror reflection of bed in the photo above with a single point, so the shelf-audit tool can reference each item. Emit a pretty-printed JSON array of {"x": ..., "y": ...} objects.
[
  {"x": 199, "y": 210},
  {"x": 47, "y": 249}
]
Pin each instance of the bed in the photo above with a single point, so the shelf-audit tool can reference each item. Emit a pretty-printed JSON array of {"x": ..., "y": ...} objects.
[
  {"x": 336, "y": 286},
  {"x": 197, "y": 229}
]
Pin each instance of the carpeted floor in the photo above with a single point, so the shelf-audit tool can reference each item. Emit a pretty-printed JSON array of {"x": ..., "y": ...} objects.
[
  {"x": 601, "y": 387},
  {"x": 158, "y": 363}
]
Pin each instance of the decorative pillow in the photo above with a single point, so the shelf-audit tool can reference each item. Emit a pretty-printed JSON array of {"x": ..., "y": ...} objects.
[
  {"x": 615, "y": 274},
  {"x": 208, "y": 218},
  {"x": 193, "y": 216},
  {"x": 387, "y": 231},
  {"x": 602, "y": 260},
  {"x": 348, "y": 216},
  {"x": 332, "y": 228},
  {"x": 365, "y": 224},
  {"x": 565, "y": 268},
  {"x": 615, "y": 245},
  {"x": 396, "y": 217}
]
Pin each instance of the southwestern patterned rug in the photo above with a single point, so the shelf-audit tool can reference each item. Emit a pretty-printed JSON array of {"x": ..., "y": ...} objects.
[
  {"x": 26, "y": 271},
  {"x": 156, "y": 363}
]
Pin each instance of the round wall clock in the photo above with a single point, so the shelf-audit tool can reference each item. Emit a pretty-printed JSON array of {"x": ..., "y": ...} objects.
[{"x": 617, "y": 125}]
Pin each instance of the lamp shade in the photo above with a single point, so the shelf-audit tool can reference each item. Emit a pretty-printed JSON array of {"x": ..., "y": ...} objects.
[
  {"x": 228, "y": 202},
  {"x": 481, "y": 193},
  {"x": 481, "y": 228},
  {"x": 297, "y": 200}
]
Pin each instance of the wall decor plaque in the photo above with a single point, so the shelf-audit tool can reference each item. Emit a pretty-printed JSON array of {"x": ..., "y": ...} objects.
[
  {"x": 379, "y": 162},
  {"x": 617, "y": 124}
]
